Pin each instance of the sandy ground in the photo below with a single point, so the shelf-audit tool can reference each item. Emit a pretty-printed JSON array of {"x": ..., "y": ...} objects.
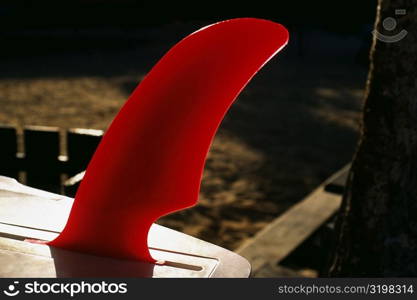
[{"x": 293, "y": 126}]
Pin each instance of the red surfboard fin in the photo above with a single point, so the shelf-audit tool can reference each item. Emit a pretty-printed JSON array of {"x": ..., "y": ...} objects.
[{"x": 150, "y": 161}]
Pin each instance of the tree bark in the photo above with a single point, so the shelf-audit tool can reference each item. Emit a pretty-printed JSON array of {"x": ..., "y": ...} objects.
[{"x": 377, "y": 225}]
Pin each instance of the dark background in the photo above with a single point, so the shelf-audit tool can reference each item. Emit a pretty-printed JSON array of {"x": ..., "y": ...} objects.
[
  {"x": 343, "y": 16},
  {"x": 22, "y": 21}
]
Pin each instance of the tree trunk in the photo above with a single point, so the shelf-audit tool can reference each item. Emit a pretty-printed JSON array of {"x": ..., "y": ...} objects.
[{"x": 377, "y": 225}]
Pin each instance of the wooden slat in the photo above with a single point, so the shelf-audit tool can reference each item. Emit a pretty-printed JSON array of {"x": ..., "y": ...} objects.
[
  {"x": 71, "y": 184},
  {"x": 288, "y": 231}
]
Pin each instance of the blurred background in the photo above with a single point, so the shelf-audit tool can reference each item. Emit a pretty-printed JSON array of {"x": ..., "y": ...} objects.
[{"x": 74, "y": 63}]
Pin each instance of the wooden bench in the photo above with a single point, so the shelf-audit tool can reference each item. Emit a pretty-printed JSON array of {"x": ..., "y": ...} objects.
[
  {"x": 45, "y": 157},
  {"x": 282, "y": 236}
]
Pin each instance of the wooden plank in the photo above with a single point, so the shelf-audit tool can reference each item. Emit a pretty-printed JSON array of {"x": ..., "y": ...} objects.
[
  {"x": 288, "y": 231},
  {"x": 337, "y": 183},
  {"x": 272, "y": 270},
  {"x": 72, "y": 184}
]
